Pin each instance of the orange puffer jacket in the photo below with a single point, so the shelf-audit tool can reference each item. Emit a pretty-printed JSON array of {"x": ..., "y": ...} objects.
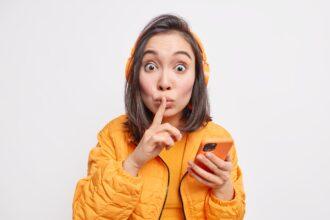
[{"x": 110, "y": 192}]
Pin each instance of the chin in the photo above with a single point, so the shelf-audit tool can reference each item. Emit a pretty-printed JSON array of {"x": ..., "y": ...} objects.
[{"x": 170, "y": 113}]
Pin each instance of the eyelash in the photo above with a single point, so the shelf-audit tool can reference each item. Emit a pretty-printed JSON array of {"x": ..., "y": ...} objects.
[{"x": 182, "y": 64}]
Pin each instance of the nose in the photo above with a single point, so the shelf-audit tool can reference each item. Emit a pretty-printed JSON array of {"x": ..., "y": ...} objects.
[{"x": 164, "y": 82}]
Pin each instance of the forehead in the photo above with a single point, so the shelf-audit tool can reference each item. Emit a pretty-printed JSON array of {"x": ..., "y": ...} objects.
[{"x": 168, "y": 44}]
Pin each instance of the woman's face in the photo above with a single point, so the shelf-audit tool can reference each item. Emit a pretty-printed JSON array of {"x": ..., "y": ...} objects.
[{"x": 168, "y": 69}]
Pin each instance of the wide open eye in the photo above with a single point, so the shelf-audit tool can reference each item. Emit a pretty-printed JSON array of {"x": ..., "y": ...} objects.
[
  {"x": 180, "y": 68},
  {"x": 149, "y": 67}
]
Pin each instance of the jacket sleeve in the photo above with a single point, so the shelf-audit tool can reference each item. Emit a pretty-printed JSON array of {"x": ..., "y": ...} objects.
[
  {"x": 108, "y": 191},
  {"x": 234, "y": 209}
]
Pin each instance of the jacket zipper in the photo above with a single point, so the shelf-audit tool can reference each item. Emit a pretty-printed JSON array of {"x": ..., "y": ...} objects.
[
  {"x": 184, "y": 214},
  {"x": 168, "y": 182}
]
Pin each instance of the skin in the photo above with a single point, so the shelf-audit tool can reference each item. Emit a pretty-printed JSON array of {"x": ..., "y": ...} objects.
[
  {"x": 219, "y": 181},
  {"x": 166, "y": 73}
]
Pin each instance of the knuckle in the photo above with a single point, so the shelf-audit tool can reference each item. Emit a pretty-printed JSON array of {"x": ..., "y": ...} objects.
[
  {"x": 217, "y": 172},
  {"x": 221, "y": 164},
  {"x": 214, "y": 167},
  {"x": 162, "y": 138},
  {"x": 178, "y": 134},
  {"x": 155, "y": 138},
  {"x": 167, "y": 140},
  {"x": 173, "y": 130},
  {"x": 170, "y": 138}
]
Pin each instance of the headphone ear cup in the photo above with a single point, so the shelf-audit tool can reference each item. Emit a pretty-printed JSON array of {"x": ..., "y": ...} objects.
[
  {"x": 206, "y": 69},
  {"x": 129, "y": 62},
  {"x": 128, "y": 67}
]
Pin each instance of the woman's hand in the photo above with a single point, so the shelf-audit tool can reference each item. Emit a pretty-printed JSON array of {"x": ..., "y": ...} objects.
[
  {"x": 219, "y": 180},
  {"x": 154, "y": 139}
]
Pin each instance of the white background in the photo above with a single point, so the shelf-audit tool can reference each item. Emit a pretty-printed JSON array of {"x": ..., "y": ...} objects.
[{"x": 62, "y": 79}]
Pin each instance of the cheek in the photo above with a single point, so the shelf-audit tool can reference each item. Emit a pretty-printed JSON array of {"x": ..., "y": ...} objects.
[
  {"x": 146, "y": 86},
  {"x": 185, "y": 89}
]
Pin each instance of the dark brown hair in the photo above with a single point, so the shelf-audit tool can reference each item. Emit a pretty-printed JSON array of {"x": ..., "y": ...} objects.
[{"x": 139, "y": 117}]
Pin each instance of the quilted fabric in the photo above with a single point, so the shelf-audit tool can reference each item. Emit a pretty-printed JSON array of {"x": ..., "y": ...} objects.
[{"x": 110, "y": 192}]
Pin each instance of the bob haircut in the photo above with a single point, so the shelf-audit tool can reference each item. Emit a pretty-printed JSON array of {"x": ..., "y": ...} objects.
[{"x": 139, "y": 117}]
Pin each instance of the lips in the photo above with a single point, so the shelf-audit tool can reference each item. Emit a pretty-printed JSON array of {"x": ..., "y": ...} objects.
[
  {"x": 169, "y": 103},
  {"x": 167, "y": 99}
]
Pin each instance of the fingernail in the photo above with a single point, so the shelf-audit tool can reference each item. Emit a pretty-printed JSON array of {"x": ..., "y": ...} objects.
[{"x": 208, "y": 154}]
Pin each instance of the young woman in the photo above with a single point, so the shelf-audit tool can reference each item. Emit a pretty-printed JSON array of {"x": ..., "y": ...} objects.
[{"x": 143, "y": 164}]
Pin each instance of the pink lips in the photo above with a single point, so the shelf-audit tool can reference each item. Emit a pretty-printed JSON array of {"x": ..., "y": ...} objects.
[
  {"x": 167, "y": 99},
  {"x": 169, "y": 103}
]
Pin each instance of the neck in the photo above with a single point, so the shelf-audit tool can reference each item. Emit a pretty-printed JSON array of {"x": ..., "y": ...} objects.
[{"x": 173, "y": 120}]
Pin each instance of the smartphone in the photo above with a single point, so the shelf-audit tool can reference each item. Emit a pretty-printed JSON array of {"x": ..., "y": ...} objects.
[{"x": 217, "y": 145}]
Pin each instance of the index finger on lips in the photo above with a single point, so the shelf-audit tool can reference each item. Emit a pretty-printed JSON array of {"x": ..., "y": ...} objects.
[{"x": 159, "y": 114}]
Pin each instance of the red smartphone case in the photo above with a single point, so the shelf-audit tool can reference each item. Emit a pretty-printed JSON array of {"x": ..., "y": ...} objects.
[{"x": 218, "y": 146}]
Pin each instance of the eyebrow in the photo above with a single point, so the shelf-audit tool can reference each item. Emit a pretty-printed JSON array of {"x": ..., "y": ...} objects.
[{"x": 177, "y": 52}]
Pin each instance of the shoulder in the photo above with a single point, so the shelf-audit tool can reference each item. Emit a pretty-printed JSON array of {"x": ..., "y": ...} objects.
[
  {"x": 114, "y": 127},
  {"x": 214, "y": 129}
]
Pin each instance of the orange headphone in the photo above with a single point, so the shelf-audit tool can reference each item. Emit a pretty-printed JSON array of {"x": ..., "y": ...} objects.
[{"x": 206, "y": 66}]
